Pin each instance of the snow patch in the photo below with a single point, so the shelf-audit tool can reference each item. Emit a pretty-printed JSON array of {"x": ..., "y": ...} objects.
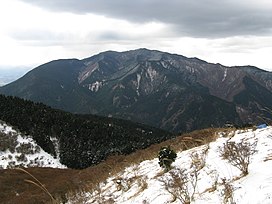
[
  {"x": 164, "y": 64},
  {"x": 225, "y": 75},
  {"x": 95, "y": 86},
  {"x": 190, "y": 69},
  {"x": 151, "y": 73},
  {"x": 138, "y": 84}
]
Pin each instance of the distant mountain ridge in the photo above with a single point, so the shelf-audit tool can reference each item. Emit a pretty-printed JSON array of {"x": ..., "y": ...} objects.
[{"x": 164, "y": 90}]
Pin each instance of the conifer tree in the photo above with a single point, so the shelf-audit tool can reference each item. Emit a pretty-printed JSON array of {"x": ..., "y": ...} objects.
[{"x": 166, "y": 157}]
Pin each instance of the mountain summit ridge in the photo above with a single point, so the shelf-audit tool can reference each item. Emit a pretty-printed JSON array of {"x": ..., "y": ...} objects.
[{"x": 165, "y": 90}]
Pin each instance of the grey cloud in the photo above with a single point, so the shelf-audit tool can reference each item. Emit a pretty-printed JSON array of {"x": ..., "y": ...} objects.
[
  {"x": 33, "y": 35},
  {"x": 37, "y": 37},
  {"x": 196, "y": 18},
  {"x": 111, "y": 36}
]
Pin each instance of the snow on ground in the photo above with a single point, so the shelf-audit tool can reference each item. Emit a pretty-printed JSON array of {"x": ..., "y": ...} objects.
[
  {"x": 211, "y": 179},
  {"x": 18, "y": 150}
]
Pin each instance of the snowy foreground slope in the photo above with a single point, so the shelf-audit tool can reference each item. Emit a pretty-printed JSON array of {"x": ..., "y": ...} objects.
[
  {"x": 208, "y": 178},
  {"x": 18, "y": 150}
]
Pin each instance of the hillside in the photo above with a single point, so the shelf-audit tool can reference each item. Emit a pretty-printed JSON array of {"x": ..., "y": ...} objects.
[
  {"x": 63, "y": 183},
  {"x": 199, "y": 175},
  {"x": 137, "y": 178},
  {"x": 167, "y": 91},
  {"x": 78, "y": 140},
  {"x": 18, "y": 150}
]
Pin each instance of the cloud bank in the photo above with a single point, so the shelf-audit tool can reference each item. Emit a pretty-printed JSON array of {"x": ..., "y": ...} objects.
[
  {"x": 194, "y": 18},
  {"x": 229, "y": 32}
]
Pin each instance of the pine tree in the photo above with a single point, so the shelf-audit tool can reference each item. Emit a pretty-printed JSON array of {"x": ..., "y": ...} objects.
[{"x": 166, "y": 157}]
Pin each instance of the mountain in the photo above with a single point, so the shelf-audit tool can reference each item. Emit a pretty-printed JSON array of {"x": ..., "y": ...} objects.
[
  {"x": 79, "y": 141},
  {"x": 164, "y": 90}
]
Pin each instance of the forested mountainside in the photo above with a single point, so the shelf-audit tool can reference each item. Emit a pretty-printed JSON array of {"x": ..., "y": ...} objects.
[
  {"x": 79, "y": 140},
  {"x": 164, "y": 90}
]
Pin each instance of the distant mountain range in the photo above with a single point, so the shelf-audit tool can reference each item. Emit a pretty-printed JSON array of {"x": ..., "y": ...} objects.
[
  {"x": 164, "y": 90},
  {"x": 8, "y": 75}
]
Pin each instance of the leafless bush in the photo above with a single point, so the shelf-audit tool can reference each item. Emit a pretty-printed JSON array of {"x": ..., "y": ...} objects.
[
  {"x": 238, "y": 154},
  {"x": 21, "y": 158},
  {"x": 37, "y": 149},
  {"x": 8, "y": 141},
  {"x": 227, "y": 192},
  {"x": 25, "y": 148},
  {"x": 182, "y": 184},
  {"x": 140, "y": 182},
  {"x": 177, "y": 185},
  {"x": 11, "y": 165}
]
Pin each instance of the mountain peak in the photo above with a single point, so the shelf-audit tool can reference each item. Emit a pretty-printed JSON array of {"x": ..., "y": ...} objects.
[{"x": 165, "y": 90}]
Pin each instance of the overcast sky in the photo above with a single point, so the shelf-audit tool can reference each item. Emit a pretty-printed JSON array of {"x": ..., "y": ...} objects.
[{"x": 230, "y": 32}]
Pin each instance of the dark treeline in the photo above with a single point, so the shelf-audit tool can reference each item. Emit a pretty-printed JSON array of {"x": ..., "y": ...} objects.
[{"x": 83, "y": 140}]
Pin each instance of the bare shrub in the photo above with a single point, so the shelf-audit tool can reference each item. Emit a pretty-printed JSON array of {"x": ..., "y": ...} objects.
[
  {"x": 25, "y": 148},
  {"x": 227, "y": 192},
  {"x": 140, "y": 182},
  {"x": 37, "y": 149},
  {"x": 21, "y": 158},
  {"x": 8, "y": 142},
  {"x": 182, "y": 184},
  {"x": 177, "y": 185},
  {"x": 238, "y": 154},
  {"x": 11, "y": 165}
]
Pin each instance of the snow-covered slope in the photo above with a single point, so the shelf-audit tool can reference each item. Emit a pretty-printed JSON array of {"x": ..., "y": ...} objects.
[
  {"x": 18, "y": 150},
  {"x": 201, "y": 175}
]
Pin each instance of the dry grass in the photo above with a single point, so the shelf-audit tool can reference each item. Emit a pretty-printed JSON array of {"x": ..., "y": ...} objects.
[
  {"x": 60, "y": 182},
  {"x": 37, "y": 183},
  {"x": 268, "y": 157},
  {"x": 14, "y": 189}
]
